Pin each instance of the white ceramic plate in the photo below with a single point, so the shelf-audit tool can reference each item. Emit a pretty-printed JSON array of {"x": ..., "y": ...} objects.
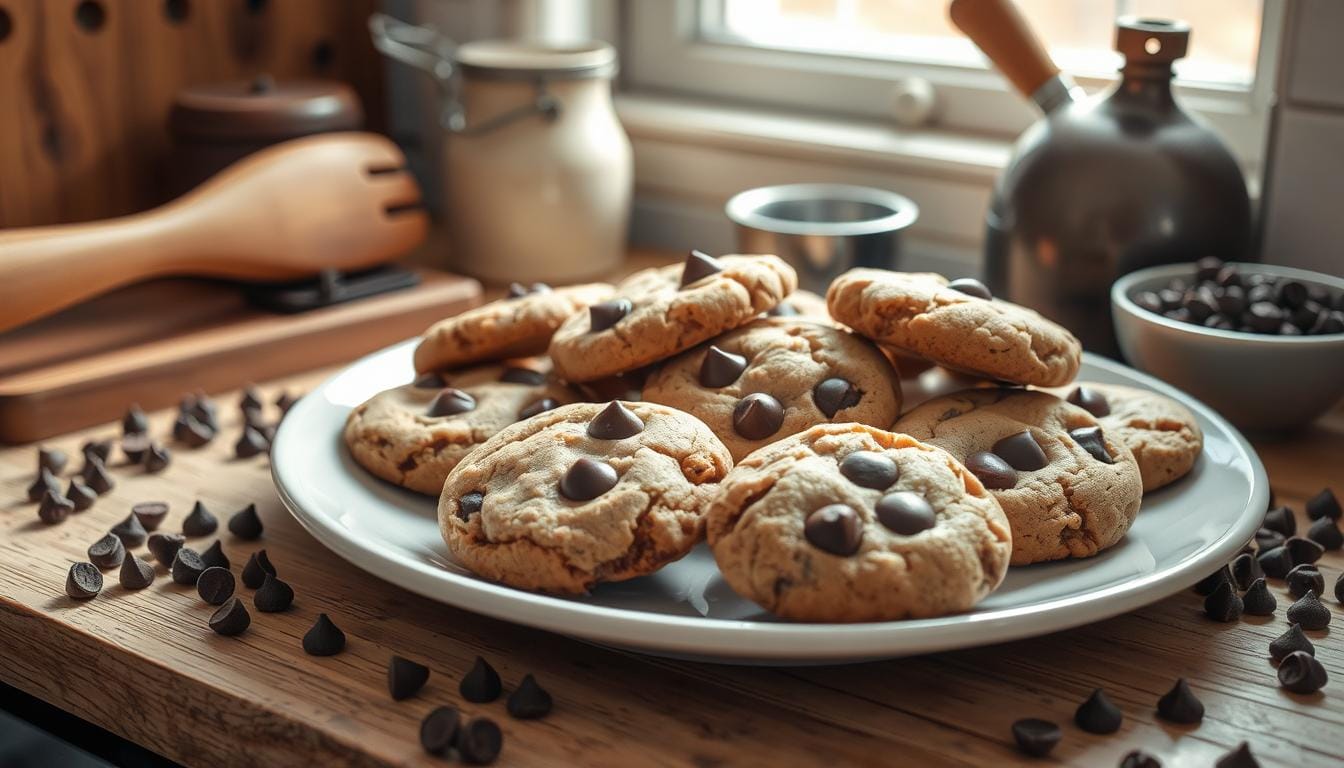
[{"x": 1183, "y": 533}]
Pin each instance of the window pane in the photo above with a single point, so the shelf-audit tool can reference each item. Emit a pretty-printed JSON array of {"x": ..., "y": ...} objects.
[{"x": 1222, "y": 46}]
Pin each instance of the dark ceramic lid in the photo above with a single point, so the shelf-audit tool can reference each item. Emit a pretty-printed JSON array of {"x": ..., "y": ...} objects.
[
  {"x": 247, "y": 110},
  {"x": 1154, "y": 41}
]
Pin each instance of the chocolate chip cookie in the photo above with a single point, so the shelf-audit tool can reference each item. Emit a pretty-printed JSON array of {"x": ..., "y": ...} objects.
[
  {"x": 844, "y": 522},
  {"x": 1162, "y": 434},
  {"x": 1069, "y": 488},
  {"x": 413, "y": 435},
  {"x": 520, "y": 324},
  {"x": 660, "y": 312},
  {"x": 775, "y": 377},
  {"x": 583, "y": 494},
  {"x": 956, "y": 324}
]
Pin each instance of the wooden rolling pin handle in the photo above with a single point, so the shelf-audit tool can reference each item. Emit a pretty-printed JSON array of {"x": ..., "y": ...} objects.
[{"x": 998, "y": 29}]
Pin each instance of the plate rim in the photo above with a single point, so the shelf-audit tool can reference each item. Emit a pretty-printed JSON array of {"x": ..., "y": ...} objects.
[{"x": 783, "y": 641}]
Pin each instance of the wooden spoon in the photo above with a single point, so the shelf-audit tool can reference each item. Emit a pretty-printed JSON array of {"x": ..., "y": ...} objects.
[{"x": 339, "y": 200}]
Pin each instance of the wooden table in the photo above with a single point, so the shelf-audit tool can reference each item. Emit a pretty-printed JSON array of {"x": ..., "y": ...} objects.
[{"x": 144, "y": 665}]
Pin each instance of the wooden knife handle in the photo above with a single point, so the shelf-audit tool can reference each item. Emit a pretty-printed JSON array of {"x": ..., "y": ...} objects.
[{"x": 998, "y": 29}]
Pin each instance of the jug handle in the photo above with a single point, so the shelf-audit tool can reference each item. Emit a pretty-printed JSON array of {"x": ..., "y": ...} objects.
[{"x": 998, "y": 29}]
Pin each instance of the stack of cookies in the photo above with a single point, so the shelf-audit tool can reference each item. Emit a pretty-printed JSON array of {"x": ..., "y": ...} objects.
[{"x": 711, "y": 399}]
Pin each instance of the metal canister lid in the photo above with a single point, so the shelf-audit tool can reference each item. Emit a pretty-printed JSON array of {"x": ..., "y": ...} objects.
[
  {"x": 1151, "y": 41},
  {"x": 263, "y": 109},
  {"x": 523, "y": 60}
]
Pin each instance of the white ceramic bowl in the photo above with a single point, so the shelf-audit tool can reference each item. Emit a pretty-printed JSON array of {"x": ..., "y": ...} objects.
[{"x": 1256, "y": 381}]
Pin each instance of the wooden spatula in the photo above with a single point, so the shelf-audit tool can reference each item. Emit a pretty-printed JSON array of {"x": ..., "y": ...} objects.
[{"x": 341, "y": 200}]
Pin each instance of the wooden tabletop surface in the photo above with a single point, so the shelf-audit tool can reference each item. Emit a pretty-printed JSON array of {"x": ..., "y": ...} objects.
[{"x": 145, "y": 666}]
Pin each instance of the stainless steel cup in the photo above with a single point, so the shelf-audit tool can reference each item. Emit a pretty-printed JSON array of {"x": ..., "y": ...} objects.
[{"x": 822, "y": 230}]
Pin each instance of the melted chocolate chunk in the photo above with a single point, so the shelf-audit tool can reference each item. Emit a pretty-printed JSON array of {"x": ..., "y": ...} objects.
[
  {"x": 1021, "y": 451},
  {"x": 834, "y": 395},
  {"x": 587, "y": 479},
  {"x": 835, "y": 528},
  {"x": 971, "y": 287},
  {"x": 538, "y": 406},
  {"x": 430, "y": 381},
  {"x": 615, "y": 422},
  {"x": 469, "y": 504},
  {"x": 698, "y": 265},
  {"x": 869, "y": 469},
  {"x": 993, "y": 471},
  {"x": 451, "y": 402},
  {"x": 1090, "y": 400},
  {"x": 906, "y": 513},
  {"x": 1091, "y": 440},
  {"x": 758, "y": 416},
  {"x": 604, "y": 315},
  {"x": 518, "y": 375},
  {"x": 719, "y": 368}
]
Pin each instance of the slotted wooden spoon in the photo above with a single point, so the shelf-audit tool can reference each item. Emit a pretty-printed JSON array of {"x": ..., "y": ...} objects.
[{"x": 340, "y": 200}]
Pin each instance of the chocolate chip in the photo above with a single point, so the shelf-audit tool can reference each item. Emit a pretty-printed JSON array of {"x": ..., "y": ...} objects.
[
  {"x": 1200, "y": 303},
  {"x": 54, "y": 508},
  {"x": 1223, "y": 604},
  {"x": 100, "y": 448},
  {"x": 1291, "y": 294},
  {"x": 258, "y": 566},
  {"x": 246, "y": 524},
  {"x": 164, "y": 546},
  {"x": 1310, "y": 612},
  {"x": 136, "y": 573},
  {"x": 451, "y": 402},
  {"x": 697, "y": 266},
  {"x": 215, "y": 585},
  {"x": 517, "y": 290},
  {"x": 1276, "y": 562},
  {"x": 82, "y": 496},
  {"x": 1021, "y": 451},
  {"x": 1266, "y": 539},
  {"x": 130, "y": 531},
  {"x": 1036, "y": 737},
  {"x": 150, "y": 514},
  {"x": 529, "y": 701},
  {"x": 107, "y": 552},
  {"x": 405, "y": 678},
  {"x": 605, "y": 314},
  {"x": 1139, "y": 759},
  {"x": 587, "y": 479},
  {"x": 1240, "y": 757},
  {"x": 869, "y": 469},
  {"x": 1098, "y": 714},
  {"x": 970, "y": 287},
  {"x": 1303, "y": 550},
  {"x": 135, "y": 445},
  {"x": 157, "y": 458},
  {"x": 481, "y": 683},
  {"x": 1091, "y": 440},
  {"x": 438, "y": 731},
  {"x": 273, "y": 596},
  {"x": 1302, "y": 673},
  {"x": 1170, "y": 298},
  {"x": 250, "y": 400},
  {"x": 231, "y": 618},
  {"x": 480, "y": 741},
  {"x": 835, "y": 528},
  {"x": 187, "y": 566},
  {"x": 1090, "y": 400},
  {"x": 202, "y": 409},
  {"x": 1328, "y": 322},
  {"x": 252, "y": 443},
  {"x": 993, "y": 471},
  {"x": 430, "y": 381},
  {"x": 615, "y": 422},
  {"x": 1179, "y": 705},
  {"x": 518, "y": 375},
  {"x": 214, "y": 557},
  {"x": 1264, "y": 317},
  {"x": 1244, "y": 571},
  {"x": 834, "y": 395},
  {"x": 1339, "y": 588},
  {"x": 720, "y": 368},
  {"x": 1293, "y": 640},
  {"x": 757, "y": 416},
  {"x": 469, "y": 504},
  {"x": 1323, "y": 504},
  {"x": 1280, "y": 519},
  {"x": 134, "y": 422},
  {"x": 84, "y": 581},
  {"x": 199, "y": 522},
  {"x": 906, "y": 513},
  {"x": 537, "y": 407},
  {"x": 1208, "y": 268},
  {"x": 1303, "y": 579},
  {"x": 45, "y": 482},
  {"x": 194, "y": 434},
  {"x": 53, "y": 459},
  {"x": 1149, "y": 300},
  {"x": 1208, "y": 584},
  {"x": 1258, "y": 600},
  {"x": 95, "y": 474}
]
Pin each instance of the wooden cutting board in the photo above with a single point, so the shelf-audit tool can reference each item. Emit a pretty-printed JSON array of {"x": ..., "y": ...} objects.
[{"x": 138, "y": 345}]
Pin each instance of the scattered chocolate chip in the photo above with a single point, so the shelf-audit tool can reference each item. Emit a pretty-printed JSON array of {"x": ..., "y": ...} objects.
[
  {"x": 1258, "y": 600},
  {"x": 150, "y": 514},
  {"x": 157, "y": 458},
  {"x": 1223, "y": 604},
  {"x": 1339, "y": 588},
  {"x": 430, "y": 381},
  {"x": 46, "y": 481},
  {"x": 1205, "y": 586},
  {"x": 164, "y": 546},
  {"x": 1208, "y": 268},
  {"x": 1290, "y": 641},
  {"x": 273, "y": 596},
  {"x": 268, "y": 433},
  {"x": 1280, "y": 519},
  {"x": 698, "y": 264},
  {"x": 615, "y": 422},
  {"x": 519, "y": 375},
  {"x": 1305, "y": 578},
  {"x": 99, "y": 448},
  {"x": 1090, "y": 439},
  {"x": 1098, "y": 714},
  {"x": 906, "y": 513},
  {"x": 199, "y": 522},
  {"x": 1266, "y": 539},
  {"x": 135, "y": 445},
  {"x": 1090, "y": 400},
  {"x": 215, "y": 585},
  {"x": 187, "y": 566},
  {"x": 1302, "y": 672},
  {"x": 250, "y": 400},
  {"x": 95, "y": 474},
  {"x": 54, "y": 508},
  {"x": 480, "y": 741},
  {"x": 835, "y": 528},
  {"x": 324, "y": 639},
  {"x": 1276, "y": 562},
  {"x": 605, "y": 314},
  {"x": 231, "y": 618},
  {"x": 245, "y": 523},
  {"x": 469, "y": 504},
  {"x": 253, "y": 443},
  {"x": 214, "y": 557},
  {"x": 1324, "y": 504},
  {"x": 970, "y": 287},
  {"x": 1310, "y": 612},
  {"x": 720, "y": 368},
  {"x": 1323, "y": 531},
  {"x": 438, "y": 731},
  {"x": 84, "y": 581},
  {"x": 1139, "y": 759},
  {"x": 405, "y": 678},
  {"x": 136, "y": 573},
  {"x": 130, "y": 531},
  {"x": 537, "y": 407},
  {"x": 834, "y": 395},
  {"x": 869, "y": 469},
  {"x": 257, "y": 568},
  {"x": 53, "y": 459},
  {"x": 1179, "y": 705},
  {"x": 993, "y": 471},
  {"x": 587, "y": 479},
  {"x": 1036, "y": 737},
  {"x": 481, "y": 683},
  {"x": 189, "y": 431},
  {"x": 134, "y": 422},
  {"x": 107, "y": 552},
  {"x": 254, "y": 418},
  {"x": 1240, "y": 757},
  {"x": 1245, "y": 570},
  {"x": 529, "y": 701},
  {"x": 757, "y": 416},
  {"x": 1303, "y": 551}
]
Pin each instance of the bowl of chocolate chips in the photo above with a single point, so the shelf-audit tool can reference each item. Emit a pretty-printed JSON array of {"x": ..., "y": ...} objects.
[{"x": 1262, "y": 344}]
